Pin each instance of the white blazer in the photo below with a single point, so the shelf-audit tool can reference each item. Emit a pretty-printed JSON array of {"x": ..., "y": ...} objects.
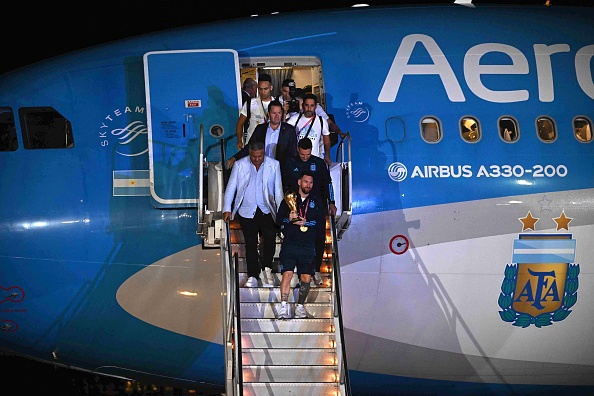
[{"x": 272, "y": 188}]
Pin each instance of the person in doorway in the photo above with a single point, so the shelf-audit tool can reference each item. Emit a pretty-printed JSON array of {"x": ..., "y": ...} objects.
[
  {"x": 299, "y": 216},
  {"x": 332, "y": 125},
  {"x": 280, "y": 138},
  {"x": 313, "y": 127},
  {"x": 254, "y": 111},
  {"x": 255, "y": 190},
  {"x": 249, "y": 89}
]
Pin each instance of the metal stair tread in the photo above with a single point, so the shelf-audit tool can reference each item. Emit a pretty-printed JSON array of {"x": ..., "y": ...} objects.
[
  {"x": 325, "y": 288},
  {"x": 306, "y": 350},
  {"x": 321, "y": 366},
  {"x": 275, "y": 319},
  {"x": 307, "y": 304},
  {"x": 288, "y": 333}
]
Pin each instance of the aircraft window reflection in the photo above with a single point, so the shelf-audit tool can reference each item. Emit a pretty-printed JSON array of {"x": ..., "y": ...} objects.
[
  {"x": 508, "y": 129},
  {"x": 44, "y": 127},
  {"x": 8, "y": 138},
  {"x": 546, "y": 129},
  {"x": 430, "y": 130},
  {"x": 583, "y": 129},
  {"x": 469, "y": 128}
]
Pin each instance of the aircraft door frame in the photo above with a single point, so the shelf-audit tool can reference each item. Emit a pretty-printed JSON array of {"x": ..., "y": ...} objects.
[{"x": 186, "y": 91}]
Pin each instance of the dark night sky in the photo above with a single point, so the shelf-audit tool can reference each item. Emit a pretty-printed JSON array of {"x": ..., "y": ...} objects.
[{"x": 31, "y": 32}]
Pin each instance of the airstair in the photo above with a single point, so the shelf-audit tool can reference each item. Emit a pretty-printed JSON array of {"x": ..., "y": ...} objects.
[{"x": 264, "y": 355}]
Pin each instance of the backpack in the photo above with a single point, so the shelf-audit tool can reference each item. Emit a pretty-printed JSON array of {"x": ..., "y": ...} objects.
[{"x": 246, "y": 124}]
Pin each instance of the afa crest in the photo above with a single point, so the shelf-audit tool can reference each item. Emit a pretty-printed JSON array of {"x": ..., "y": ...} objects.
[{"x": 540, "y": 286}]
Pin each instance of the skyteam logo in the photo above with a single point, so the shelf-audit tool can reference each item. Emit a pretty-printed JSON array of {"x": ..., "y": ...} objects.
[
  {"x": 125, "y": 128},
  {"x": 397, "y": 171},
  {"x": 358, "y": 111}
]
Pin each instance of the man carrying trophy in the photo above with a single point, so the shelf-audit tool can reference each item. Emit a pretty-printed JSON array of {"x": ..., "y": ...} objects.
[
  {"x": 299, "y": 217},
  {"x": 322, "y": 187}
]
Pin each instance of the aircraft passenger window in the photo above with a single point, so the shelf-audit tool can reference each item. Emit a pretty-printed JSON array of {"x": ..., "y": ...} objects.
[
  {"x": 545, "y": 129},
  {"x": 508, "y": 129},
  {"x": 469, "y": 128},
  {"x": 430, "y": 130},
  {"x": 44, "y": 127},
  {"x": 8, "y": 138},
  {"x": 583, "y": 129}
]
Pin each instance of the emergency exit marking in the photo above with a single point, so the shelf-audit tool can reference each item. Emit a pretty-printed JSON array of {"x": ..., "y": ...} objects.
[{"x": 193, "y": 103}]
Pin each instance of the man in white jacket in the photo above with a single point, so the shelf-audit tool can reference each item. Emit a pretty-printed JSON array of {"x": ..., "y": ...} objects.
[{"x": 256, "y": 191}]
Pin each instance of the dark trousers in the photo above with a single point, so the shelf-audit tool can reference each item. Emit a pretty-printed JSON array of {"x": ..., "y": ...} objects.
[{"x": 261, "y": 226}]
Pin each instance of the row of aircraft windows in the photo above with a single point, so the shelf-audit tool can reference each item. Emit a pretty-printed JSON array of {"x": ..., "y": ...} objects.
[
  {"x": 44, "y": 127},
  {"x": 509, "y": 131}
]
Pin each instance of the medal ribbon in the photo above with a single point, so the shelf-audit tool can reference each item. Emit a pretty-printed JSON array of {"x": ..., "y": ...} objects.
[{"x": 304, "y": 214}]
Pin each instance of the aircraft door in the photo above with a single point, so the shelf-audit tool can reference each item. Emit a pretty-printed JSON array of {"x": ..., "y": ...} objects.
[{"x": 187, "y": 91}]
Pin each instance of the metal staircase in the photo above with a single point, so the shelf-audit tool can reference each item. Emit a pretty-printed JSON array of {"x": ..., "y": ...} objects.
[
  {"x": 287, "y": 357},
  {"x": 266, "y": 356}
]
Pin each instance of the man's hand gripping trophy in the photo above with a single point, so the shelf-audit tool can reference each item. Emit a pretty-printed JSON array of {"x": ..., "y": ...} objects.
[{"x": 291, "y": 199}]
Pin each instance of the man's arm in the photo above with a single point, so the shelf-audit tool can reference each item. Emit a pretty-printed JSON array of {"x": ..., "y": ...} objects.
[
  {"x": 333, "y": 127},
  {"x": 327, "y": 190},
  {"x": 239, "y": 131},
  {"x": 230, "y": 191},
  {"x": 278, "y": 186},
  {"x": 327, "y": 145}
]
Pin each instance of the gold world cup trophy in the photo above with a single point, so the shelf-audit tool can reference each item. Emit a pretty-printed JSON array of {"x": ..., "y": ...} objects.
[{"x": 291, "y": 199}]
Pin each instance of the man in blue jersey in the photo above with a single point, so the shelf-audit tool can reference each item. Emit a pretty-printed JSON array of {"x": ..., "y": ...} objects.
[
  {"x": 322, "y": 187},
  {"x": 300, "y": 216}
]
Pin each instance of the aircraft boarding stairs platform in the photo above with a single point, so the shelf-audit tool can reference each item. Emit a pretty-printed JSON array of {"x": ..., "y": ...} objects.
[{"x": 265, "y": 355}]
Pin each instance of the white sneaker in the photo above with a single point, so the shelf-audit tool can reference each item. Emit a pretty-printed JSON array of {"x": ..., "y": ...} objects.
[
  {"x": 283, "y": 312},
  {"x": 300, "y": 311},
  {"x": 251, "y": 282},
  {"x": 267, "y": 278},
  {"x": 318, "y": 281}
]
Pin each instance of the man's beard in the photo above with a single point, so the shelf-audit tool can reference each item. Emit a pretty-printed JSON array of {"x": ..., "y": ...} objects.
[
  {"x": 306, "y": 190},
  {"x": 308, "y": 113}
]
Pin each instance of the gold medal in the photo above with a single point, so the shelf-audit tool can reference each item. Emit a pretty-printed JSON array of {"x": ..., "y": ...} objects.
[{"x": 303, "y": 228}]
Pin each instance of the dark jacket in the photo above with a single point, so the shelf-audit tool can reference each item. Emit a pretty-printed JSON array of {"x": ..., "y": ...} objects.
[
  {"x": 286, "y": 147},
  {"x": 322, "y": 181},
  {"x": 315, "y": 218}
]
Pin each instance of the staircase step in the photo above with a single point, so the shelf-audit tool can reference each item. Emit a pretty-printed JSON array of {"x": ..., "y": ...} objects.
[
  {"x": 270, "y": 310},
  {"x": 289, "y": 373},
  {"x": 284, "y": 357},
  {"x": 273, "y": 294},
  {"x": 277, "y": 278},
  {"x": 287, "y": 326},
  {"x": 287, "y": 340},
  {"x": 291, "y": 389}
]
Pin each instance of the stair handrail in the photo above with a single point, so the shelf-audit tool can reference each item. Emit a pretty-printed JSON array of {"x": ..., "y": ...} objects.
[
  {"x": 340, "y": 149},
  {"x": 230, "y": 262},
  {"x": 237, "y": 325},
  {"x": 228, "y": 307},
  {"x": 337, "y": 307}
]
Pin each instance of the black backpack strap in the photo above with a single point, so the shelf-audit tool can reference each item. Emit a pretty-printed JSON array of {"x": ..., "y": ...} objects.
[{"x": 246, "y": 124}]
